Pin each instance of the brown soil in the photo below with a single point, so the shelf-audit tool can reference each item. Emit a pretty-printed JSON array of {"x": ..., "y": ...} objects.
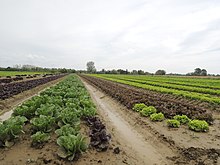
[{"x": 22, "y": 153}]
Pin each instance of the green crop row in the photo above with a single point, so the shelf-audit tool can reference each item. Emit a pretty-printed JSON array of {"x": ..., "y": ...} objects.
[
  {"x": 150, "y": 111},
  {"x": 187, "y": 94},
  {"x": 173, "y": 86},
  {"x": 57, "y": 109},
  {"x": 186, "y": 81}
]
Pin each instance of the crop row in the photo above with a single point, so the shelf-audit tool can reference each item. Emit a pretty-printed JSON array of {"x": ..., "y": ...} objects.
[
  {"x": 191, "y": 82},
  {"x": 130, "y": 96},
  {"x": 170, "y": 86},
  {"x": 178, "y": 81},
  {"x": 187, "y": 94},
  {"x": 150, "y": 111},
  {"x": 8, "y": 90},
  {"x": 58, "y": 110}
]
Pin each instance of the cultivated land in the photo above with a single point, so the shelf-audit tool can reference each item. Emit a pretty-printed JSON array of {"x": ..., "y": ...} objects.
[
  {"x": 207, "y": 90},
  {"x": 109, "y": 124},
  {"x": 14, "y": 73}
]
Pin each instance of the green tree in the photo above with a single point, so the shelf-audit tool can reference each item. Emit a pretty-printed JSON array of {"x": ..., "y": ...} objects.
[
  {"x": 197, "y": 71},
  {"x": 140, "y": 72},
  {"x": 203, "y": 72},
  {"x": 160, "y": 72},
  {"x": 91, "y": 67}
]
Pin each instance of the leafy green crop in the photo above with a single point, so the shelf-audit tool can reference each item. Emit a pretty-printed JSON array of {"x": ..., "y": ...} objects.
[
  {"x": 29, "y": 107},
  {"x": 183, "y": 119},
  {"x": 188, "y": 92},
  {"x": 68, "y": 130},
  {"x": 198, "y": 125},
  {"x": 173, "y": 123},
  {"x": 139, "y": 106},
  {"x": 40, "y": 137},
  {"x": 10, "y": 129},
  {"x": 71, "y": 145},
  {"x": 147, "y": 111},
  {"x": 47, "y": 110},
  {"x": 157, "y": 117},
  {"x": 68, "y": 116},
  {"x": 43, "y": 123}
]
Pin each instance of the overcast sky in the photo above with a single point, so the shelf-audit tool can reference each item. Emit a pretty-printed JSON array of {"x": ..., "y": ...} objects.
[{"x": 175, "y": 35}]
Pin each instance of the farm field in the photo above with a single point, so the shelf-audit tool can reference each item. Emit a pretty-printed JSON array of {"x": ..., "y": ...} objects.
[
  {"x": 13, "y": 73},
  {"x": 193, "y": 88},
  {"x": 50, "y": 121},
  {"x": 99, "y": 111},
  {"x": 182, "y": 139},
  {"x": 133, "y": 82}
]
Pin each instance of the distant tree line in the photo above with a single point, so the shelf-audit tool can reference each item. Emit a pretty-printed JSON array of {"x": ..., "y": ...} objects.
[
  {"x": 32, "y": 68},
  {"x": 121, "y": 71},
  {"x": 91, "y": 69},
  {"x": 198, "y": 72}
]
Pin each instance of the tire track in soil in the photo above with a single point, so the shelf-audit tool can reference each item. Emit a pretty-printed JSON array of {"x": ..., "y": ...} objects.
[{"x": 132, "y": 142}]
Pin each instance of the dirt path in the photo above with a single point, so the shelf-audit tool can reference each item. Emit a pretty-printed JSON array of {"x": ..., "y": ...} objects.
[{"x": 138, "y": 146}]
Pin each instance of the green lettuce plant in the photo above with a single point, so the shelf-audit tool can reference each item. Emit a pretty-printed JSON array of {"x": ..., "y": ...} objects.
[
  {"x": 183, "y": 119},
  {"x": 71, "y": 146},
  {"x": 40, "y": 137},
  {"x": 68, "y": 130},
  {"x": 11, "y": 129},
  {"x": 173, "y": 123},
  {"x": 139, "y": 106},
  {"x": 157, "y": 117},
  {"x": 147, "y": 111},
  {"x": 43, "y": 123},
  {"x": 68, "y": 116},
  {"x": 198, "y": 125}
]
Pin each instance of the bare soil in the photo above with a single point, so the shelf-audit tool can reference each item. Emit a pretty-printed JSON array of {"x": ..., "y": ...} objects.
[{"x": 22, "y": 153}]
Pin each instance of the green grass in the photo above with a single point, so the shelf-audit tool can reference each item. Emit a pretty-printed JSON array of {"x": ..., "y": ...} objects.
[{"x": 13, "y": 73}]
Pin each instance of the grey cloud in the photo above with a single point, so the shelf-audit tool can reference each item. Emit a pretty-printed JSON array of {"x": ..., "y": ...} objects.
[{"x": 174, "y": 35}]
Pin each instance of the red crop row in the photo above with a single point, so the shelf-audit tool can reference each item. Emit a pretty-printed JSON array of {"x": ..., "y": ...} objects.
[
  {"x": 8, "y": 90},
  {"x": 129, "y": 96}
]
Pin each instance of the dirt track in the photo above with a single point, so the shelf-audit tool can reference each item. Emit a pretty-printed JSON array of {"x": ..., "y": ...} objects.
[{"x": 137, "y": 146}]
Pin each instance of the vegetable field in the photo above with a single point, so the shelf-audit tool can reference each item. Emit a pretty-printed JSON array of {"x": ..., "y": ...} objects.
[
  {"x": 14, "y": 73},
  {"x": 55, "y": 116},
  {"x": 207, "y": 90},
  {"x": 113, "y": 119}
]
